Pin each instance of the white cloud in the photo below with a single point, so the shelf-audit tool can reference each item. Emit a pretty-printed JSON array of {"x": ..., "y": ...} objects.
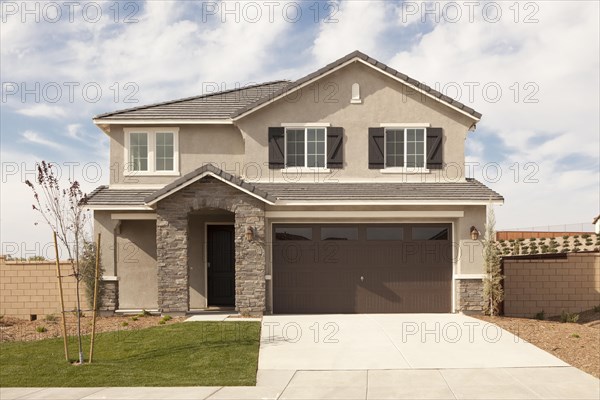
[
  {"x": 43, "y": 111},
  {"x": 36, "y": 138},
  {"x": 358, "y": 27},
  {"x": 564, "y": 122},
  {"x": 170, "y": 52}
]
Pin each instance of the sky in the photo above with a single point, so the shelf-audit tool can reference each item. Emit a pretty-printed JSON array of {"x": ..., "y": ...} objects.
[{"x": 531, "y": 68}]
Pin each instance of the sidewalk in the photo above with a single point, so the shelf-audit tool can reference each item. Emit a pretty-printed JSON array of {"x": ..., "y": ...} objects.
[{"x": 505, "y": 383}]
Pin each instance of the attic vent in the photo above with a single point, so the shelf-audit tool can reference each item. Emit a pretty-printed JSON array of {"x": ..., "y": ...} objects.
[{"x": 356, "y": 94}]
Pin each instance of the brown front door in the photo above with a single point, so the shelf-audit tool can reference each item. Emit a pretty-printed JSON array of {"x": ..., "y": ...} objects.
[
  {"x": 362, "y": 268},
  {"x": 220, "y": 255}
]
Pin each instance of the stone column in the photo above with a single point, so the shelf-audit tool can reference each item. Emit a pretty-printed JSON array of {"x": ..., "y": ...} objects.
[
  {"x": 469, "y": 295},
  {"x": 172, "y": 258},
  {"x": 109, "y": 297},
  {"x": 250, "y": 259}
]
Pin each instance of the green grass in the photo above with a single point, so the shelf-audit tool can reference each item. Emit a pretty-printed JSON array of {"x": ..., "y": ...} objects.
[{"x": 185, "y": 354}]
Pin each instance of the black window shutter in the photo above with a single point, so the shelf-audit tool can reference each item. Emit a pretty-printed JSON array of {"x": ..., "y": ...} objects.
[
  {"x": 376, "y": 148},
  {"x": 435, "y": 147},
  {"x": 335, "y": 147},
  {"x": 276, "y": 147}
]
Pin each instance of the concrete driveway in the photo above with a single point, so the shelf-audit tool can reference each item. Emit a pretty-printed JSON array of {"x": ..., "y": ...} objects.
[{"x": 407, "y": 356}]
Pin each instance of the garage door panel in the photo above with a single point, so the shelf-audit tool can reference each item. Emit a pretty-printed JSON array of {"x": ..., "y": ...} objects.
[{"x": 361, "y": 275}]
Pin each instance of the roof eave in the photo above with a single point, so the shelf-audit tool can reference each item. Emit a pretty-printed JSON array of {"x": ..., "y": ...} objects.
[
  {"x": 415, "y": 202},
  {"x": 156, "y": 121}
]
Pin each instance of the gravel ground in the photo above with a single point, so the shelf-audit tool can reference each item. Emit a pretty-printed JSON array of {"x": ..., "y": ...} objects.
[
  {"x": 575, "y": 343},
  {"x": 13, "y": 329}
]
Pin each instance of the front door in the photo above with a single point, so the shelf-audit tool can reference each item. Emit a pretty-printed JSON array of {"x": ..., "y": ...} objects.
[{"x": 220, "y": 255}]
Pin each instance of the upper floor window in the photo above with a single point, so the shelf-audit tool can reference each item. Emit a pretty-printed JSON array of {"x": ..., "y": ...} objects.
[
  {"x": 405, "y": 147},
  {"x": 152, "y": 151},
  {"x": 305, "y": 147}
]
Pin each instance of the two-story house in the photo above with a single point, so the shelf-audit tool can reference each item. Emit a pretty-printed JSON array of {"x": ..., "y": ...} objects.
[{"x": 341, "y": 192}]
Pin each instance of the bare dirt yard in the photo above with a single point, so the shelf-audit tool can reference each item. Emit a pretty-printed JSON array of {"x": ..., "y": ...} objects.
[
  {"x": 575, "y": 343},
  {"x": 14, "y": 329}
]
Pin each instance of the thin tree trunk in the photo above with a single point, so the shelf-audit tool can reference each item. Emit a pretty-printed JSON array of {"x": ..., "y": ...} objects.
[{"x": 79, "y": 324}]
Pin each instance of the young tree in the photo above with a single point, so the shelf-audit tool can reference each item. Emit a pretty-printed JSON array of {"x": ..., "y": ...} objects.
[
  {"x": 493, "y": 292},
  {"x": 62, "y": 211}
]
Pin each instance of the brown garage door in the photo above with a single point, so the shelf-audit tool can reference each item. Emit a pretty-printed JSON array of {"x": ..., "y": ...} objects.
[{"x": 362, "y": 268}]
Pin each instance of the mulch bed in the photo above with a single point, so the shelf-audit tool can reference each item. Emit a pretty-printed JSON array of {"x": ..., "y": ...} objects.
[
  {"x": 575, "y": 343},
  {"x": 14, "y": 329}
]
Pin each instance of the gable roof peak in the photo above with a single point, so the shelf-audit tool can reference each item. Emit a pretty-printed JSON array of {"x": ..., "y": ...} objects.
[{"x": 381, "y": 67}]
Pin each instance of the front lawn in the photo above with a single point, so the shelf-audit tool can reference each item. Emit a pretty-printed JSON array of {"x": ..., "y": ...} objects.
[{"x": 184, "y": 354}]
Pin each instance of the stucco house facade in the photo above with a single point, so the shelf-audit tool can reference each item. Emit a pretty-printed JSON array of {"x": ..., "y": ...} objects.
[{"x": 343, "y": 191}]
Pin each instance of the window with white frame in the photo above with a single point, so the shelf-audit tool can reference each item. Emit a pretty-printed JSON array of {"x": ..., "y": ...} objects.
[
  {"x": 152, "y": 150},
  {"x": 405, "y": 148},
  {"x": 305, "y": 147}
]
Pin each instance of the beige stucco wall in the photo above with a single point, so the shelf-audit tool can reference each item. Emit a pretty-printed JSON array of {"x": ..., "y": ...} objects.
[
  {"x": 221, "y": 145},
  {"x": 470, "y": 252},
  {"x": 136, "y": 265},
  {"x": 242, "y": 149},
  {"x": 385, "y": 100},
  {"x": 104, "y": 225}
]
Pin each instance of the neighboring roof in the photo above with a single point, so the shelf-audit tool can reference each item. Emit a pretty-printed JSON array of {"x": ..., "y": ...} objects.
[
  {"x": 469, "y": 190},
  {"x": 369, "y": 60},
  {"x": 219, "y": 105},
  {"x": 234, "y": 103},
  {"x": 200, "y": 173}
]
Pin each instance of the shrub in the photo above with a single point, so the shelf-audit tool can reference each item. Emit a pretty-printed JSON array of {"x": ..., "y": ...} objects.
[
  {"x": 161, "y": 322},
  {"x": 575, "y": 335},
  {"x": 569, "y": 317},
  {"x": 566, "y": 237},
  {"x": 124, "y": 323},
  {"x": 167, "y": 318},
  {"x": 134, "y": 318},
  {"x": 493, "y": 293},
  {"x": 540, "y": 316},
  {"x": 532, "y": 239},
  {"x": 41, "y": 329},
  {"x": 596, "y": 309},
  {"x": 51, "y": 318},
  {"x": 88, "y": 272}
]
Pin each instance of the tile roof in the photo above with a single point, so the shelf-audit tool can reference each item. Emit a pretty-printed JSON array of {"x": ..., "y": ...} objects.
[
  {"x": 233, "y": 103},
  {"x": 272, "y": 192},
  {"x": 104, "y": 196},
  {"x": 469, "y": 190},
  {"x": 219, "y": 105}
]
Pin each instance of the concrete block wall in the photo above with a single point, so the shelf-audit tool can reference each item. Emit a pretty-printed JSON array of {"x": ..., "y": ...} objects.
[
  {"x": 569, "y": 282},
  {"x": 31, "y": 288}
]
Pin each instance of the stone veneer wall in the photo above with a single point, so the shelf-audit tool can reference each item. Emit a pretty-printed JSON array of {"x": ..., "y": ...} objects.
[
  {"x": 109, "y": 297},
  {"x": 172, "y": 244},
  {"x": 469, "y": 295}
]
